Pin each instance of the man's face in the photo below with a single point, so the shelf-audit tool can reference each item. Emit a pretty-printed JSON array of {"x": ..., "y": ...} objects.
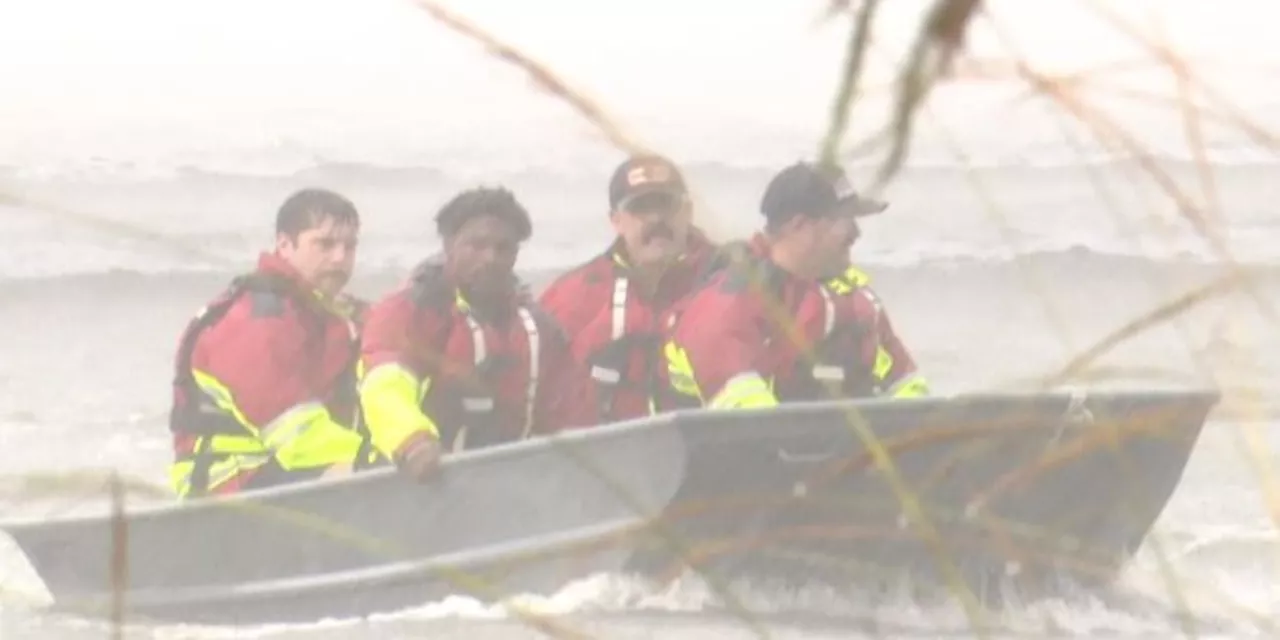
[
  {"x": 324, "y": 254},
  {"x": 654, "y": 227},
  {"x": 482, "y": 255},
  {"x": 828, "y": 240}
]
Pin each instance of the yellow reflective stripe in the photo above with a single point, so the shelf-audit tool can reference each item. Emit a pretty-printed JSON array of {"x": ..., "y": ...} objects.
[
  {"x": 311, "y": 439},
  {"x": 392, "y": 396},
  {"x": 744, "y": 391},
  {"x": 230, "y": 444},
  {"x": 680, "y": 371},
  {"x": 461, "y": 302},
  {"x": 851, "y": 279},
  {"x": 291, "y": 424},
  {"x": 912, "y": 386},
  {"x": 220, "y": 472},
  {"x": 856, "y": 276},
  {"x": 883, "y": 365},
  {"x": 326, "y": 442},
  {"x": 222, "y": 397}
]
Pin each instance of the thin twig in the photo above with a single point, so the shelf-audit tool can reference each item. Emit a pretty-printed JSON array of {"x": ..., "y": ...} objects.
[
  {"x": 859, "y": 38},
  {"x": 1155, "y": 317},
  {"x": 935, "y": 48},
  {"x": 538, "y": 72}
]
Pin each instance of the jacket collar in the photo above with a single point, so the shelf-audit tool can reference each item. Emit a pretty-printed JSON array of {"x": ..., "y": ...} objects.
[
  {"x": 272, "y": 265},
  {"x": 434, "y": 267},
  {"x": 697, "y": 247}
]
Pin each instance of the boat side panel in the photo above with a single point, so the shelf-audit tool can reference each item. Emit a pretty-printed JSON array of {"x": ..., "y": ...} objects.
[
  {"x": 1035, "y": 486},
  {"x": 551, "y": 486}
]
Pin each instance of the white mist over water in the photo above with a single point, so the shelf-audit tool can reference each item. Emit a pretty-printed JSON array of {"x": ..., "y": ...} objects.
[{"x": 253, "y": 86}]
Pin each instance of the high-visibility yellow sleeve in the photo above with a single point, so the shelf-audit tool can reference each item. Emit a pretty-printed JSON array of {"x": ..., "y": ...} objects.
[
  {"x": 744, "y": 391},
  {"x": 680, "y": 370},
  {"x": 912, "y": 386},
  {"x": 391, "y": 396},
  {"x": 306, "y": 436},
  {"x": 300, "y": 437}
]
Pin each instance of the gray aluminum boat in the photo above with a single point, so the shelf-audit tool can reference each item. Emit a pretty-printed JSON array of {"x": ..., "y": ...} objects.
[{"x": 1038, "y": 490}]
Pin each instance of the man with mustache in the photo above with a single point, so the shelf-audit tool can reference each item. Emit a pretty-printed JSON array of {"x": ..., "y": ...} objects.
[
  {"x": 459, "y": 357},
  {"x": 264, "y": 391},
  {"x": 787, "y": 318},
  {"x": 613, "y": 306}
]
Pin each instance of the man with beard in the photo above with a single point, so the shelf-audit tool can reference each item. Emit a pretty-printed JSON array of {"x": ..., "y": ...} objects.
[
  {"x": 774, "y": 325},
  {"x": 264, "y": 392},
  {"x": 613, "y": 307},
  {"x": 458, "y": 357}
]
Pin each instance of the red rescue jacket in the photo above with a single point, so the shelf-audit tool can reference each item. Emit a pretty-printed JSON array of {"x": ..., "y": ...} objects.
[
  {"x": 270, "y": 348},
  {"x": 892, "y": 370},
  {"x": 615, "y": 330},
  {"x": 750, "y": 316},
  {"x": 474, "y": 371}
]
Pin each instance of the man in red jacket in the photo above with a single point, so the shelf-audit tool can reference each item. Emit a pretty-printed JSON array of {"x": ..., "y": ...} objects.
[
  {"x": 265, "y": 383},
  {"x": 458, "y": 357},
  {"x": 787, "y": 319},
  {"x": 613, "y": 306}
]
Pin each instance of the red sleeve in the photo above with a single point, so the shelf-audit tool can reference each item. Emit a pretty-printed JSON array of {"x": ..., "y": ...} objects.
[
  {"x": 260, "y": 356},
  {"x": 399, "y": 330},
  {"x": 723, "y": 336},
  {"x": 565, "y": 397},
  {"x": 562, "y": 300}
]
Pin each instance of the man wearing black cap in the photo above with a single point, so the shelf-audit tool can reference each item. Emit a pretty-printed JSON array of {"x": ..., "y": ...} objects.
[
  {"x": 789, "y": 318},
  {"x": 613, "y": 306}
]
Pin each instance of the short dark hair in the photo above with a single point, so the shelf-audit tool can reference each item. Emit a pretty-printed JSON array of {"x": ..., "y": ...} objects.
[
  {"x": 309, "y": 207},
  {"x": 483, "y": 201}
]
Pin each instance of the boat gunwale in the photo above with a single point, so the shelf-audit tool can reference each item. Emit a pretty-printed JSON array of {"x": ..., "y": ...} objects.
[{"x": 1206, "y": 396}]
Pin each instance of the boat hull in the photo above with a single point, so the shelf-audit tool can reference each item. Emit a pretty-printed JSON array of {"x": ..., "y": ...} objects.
[
  {"x": 1043, "y": 493},
  {"x": 1033, "y": 489}
]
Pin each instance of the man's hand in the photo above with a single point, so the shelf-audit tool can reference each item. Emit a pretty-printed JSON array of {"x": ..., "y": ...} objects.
[{"x": 419, "y": 457}]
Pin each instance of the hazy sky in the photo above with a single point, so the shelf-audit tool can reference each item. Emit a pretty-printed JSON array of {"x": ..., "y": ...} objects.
[{"x": 99, "y": 65}]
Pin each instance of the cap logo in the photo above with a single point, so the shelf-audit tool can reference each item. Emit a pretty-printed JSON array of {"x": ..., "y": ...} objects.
[{"x": 647, "y": 174}]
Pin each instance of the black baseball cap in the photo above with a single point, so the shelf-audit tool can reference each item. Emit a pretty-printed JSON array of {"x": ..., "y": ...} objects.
[
  {"x": 642, "y": 175},
  {"x": 807, "y": 189}
]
